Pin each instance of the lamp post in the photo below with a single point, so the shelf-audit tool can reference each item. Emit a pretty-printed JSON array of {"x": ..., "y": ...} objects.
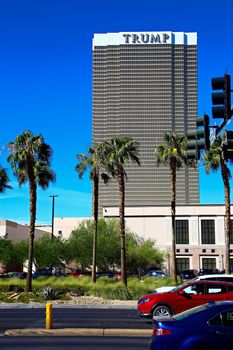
[{"x": 53, "y": 200}]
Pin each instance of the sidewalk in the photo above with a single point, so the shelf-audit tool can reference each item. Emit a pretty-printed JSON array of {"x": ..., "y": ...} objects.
[{"x": 79, "y": 331}]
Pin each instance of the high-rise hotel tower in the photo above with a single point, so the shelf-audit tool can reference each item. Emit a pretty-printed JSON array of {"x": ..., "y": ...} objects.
[{"x": 144, "y": 84}]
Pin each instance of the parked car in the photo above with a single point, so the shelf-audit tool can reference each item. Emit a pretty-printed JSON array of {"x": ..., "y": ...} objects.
[
  {"x": 155, "y": 273},
  {"x": 21, "y": 275},
  {"x": 44, "y": 272},
  {"x": 105, "y": 274},
  {"x": 188, "y": 274},
  {"x": 204, "y": 271},
  {"x": 209, "y": 326},
  {"x": 76, "y": 274},
  {"x": 184, "y": 297},
  {"x": 224, "y": 271},
  {"x": 118, "y": 276},
  {"x": 217, "y": 277}
]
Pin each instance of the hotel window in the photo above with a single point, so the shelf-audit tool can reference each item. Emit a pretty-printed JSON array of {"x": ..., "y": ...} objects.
[
  {"x": 182, "y": 232},
  {"x": 209, "y": 263},
  {"x": 182, "y": 264},
  {"x": 207, "y": 232},
  {"x": 231, "y": 264}
]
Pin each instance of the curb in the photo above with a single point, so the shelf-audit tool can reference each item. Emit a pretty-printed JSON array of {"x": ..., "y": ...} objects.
[
  {"x": 64, "y": 306},
  {"x": 79, "y": 331}
]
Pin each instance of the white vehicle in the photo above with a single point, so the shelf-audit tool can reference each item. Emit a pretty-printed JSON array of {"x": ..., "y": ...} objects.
[{"x": 214, "y": 277}]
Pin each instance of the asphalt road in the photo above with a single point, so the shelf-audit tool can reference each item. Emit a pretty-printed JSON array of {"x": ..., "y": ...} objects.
[
  {"x": 71, "y": 343},
  {"x": 72, "y": 318}
]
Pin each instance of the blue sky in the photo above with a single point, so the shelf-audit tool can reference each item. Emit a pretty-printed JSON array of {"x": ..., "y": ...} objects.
[{"x": 45, "y": 84}]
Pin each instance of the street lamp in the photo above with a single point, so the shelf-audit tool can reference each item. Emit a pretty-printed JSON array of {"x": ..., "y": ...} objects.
[{"x": 53, "y": 199}]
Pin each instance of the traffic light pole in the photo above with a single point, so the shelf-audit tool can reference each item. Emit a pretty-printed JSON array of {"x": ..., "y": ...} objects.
[
  {"x": 219, "y": 127},
  {"x": 53, "y": 199}
]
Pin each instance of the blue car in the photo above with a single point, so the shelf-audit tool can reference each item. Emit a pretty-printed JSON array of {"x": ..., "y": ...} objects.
[{"x": 205, "y": 327}]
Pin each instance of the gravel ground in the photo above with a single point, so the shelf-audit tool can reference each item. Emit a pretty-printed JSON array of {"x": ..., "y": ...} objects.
[{"x": 82, "y": 300}]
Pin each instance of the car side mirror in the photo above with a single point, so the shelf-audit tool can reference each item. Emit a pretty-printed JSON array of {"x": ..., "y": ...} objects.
[
  {"x": 184, "y": 294},
  {"x": 181, "y": 292}
]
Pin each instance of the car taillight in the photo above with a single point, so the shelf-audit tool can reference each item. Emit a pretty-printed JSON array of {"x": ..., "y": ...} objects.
[{"x": 161, "y": 331}]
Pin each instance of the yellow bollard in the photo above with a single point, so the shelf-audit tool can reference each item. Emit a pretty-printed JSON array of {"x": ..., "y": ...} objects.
[{"x": 49, "y": 316}]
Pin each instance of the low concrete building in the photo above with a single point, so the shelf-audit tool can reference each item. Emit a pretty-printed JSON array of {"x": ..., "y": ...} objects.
[
  {"x": 17, "y": 232},
  {"x": 64, "y": 226},
  {"x": 200, "y": 232}
]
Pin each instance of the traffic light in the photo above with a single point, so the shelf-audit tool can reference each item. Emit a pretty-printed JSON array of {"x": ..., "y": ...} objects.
[
  {"x": 203, "y": 134},
  {"x": 227, "y": 145},
  {"x": 192, "y": 150},
  {"x": 198, "y": 139},
  {"x": 222, "y": 100}
]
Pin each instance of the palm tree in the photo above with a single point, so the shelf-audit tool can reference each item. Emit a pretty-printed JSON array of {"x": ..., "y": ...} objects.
[
  {"x": 94, "y": 161},
  {"x": 172, "y": 153},
  {"x": 120, "y": 151},
  {"x": 4, "y": 179},
  {"x": 30, "y": 159},
  {"x": 213, "y": 159}
]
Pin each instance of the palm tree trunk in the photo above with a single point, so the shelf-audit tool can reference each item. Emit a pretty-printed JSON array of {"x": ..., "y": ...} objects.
[
  {"x": 95, "y": 214},
  {"x": 32, "y": 187},
  {"x": 121, "y": 188},
  {"x": 225, "y": 178},
  {"x": 173, "y": 215}
]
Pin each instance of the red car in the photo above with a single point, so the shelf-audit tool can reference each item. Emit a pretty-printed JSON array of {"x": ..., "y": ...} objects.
[{"x": 184, "y": 297}]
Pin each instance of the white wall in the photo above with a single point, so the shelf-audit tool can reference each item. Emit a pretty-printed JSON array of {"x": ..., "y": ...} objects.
[{"x": 17, "y": 232}]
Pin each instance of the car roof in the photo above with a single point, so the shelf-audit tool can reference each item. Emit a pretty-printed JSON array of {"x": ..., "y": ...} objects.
[
  {"x": 208, "y": 282},
  {"x": 215, "y": 275}
]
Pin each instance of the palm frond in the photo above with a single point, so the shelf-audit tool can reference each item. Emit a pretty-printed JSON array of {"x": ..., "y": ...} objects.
[
  {"x": 30, "y": 148},
  {"x": 4, "y": 180}
]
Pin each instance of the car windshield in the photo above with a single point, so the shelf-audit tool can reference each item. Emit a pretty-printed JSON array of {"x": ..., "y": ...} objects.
[
  {"x": 189, "y": 312},
  {"x": 175, "y": 288}
]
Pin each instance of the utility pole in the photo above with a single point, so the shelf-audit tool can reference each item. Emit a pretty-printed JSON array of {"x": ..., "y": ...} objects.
[{"x": 53, "y": 200}]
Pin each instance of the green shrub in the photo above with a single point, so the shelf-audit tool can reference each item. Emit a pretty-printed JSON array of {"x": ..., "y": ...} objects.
[
  {"x": 4, "y": 298},
  {"x": 15, "y": 288},
  {"x": 106, "y": 280},
  {"x": 121, "y": 293},
  {"x": 109, "y": 291},
  {"x": 105, "y": 287},
  {"x": 27, "y": 297},
  {"x": 49, "y": 293},
  {"x": 80, "y": 290}
]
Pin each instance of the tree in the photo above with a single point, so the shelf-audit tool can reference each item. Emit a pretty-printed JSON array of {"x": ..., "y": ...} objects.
[
  {"x": 143, "y": 255},
  {"x": 108, "y": 247},
  {"x": 213, "y": 160},
  {"x": 4, "y": 179},
  {"x": 94, "y": 161},
  {"x": 30, "y": 159},
  {"x": 172, "y": 153},
  {"x": 140, "y": 254},
  {"x": 6, "y": 251},
  {"x": 49, "y": 253},
  {"x": 20, "y": 252},
  {"x": 120, "y": 151}
]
